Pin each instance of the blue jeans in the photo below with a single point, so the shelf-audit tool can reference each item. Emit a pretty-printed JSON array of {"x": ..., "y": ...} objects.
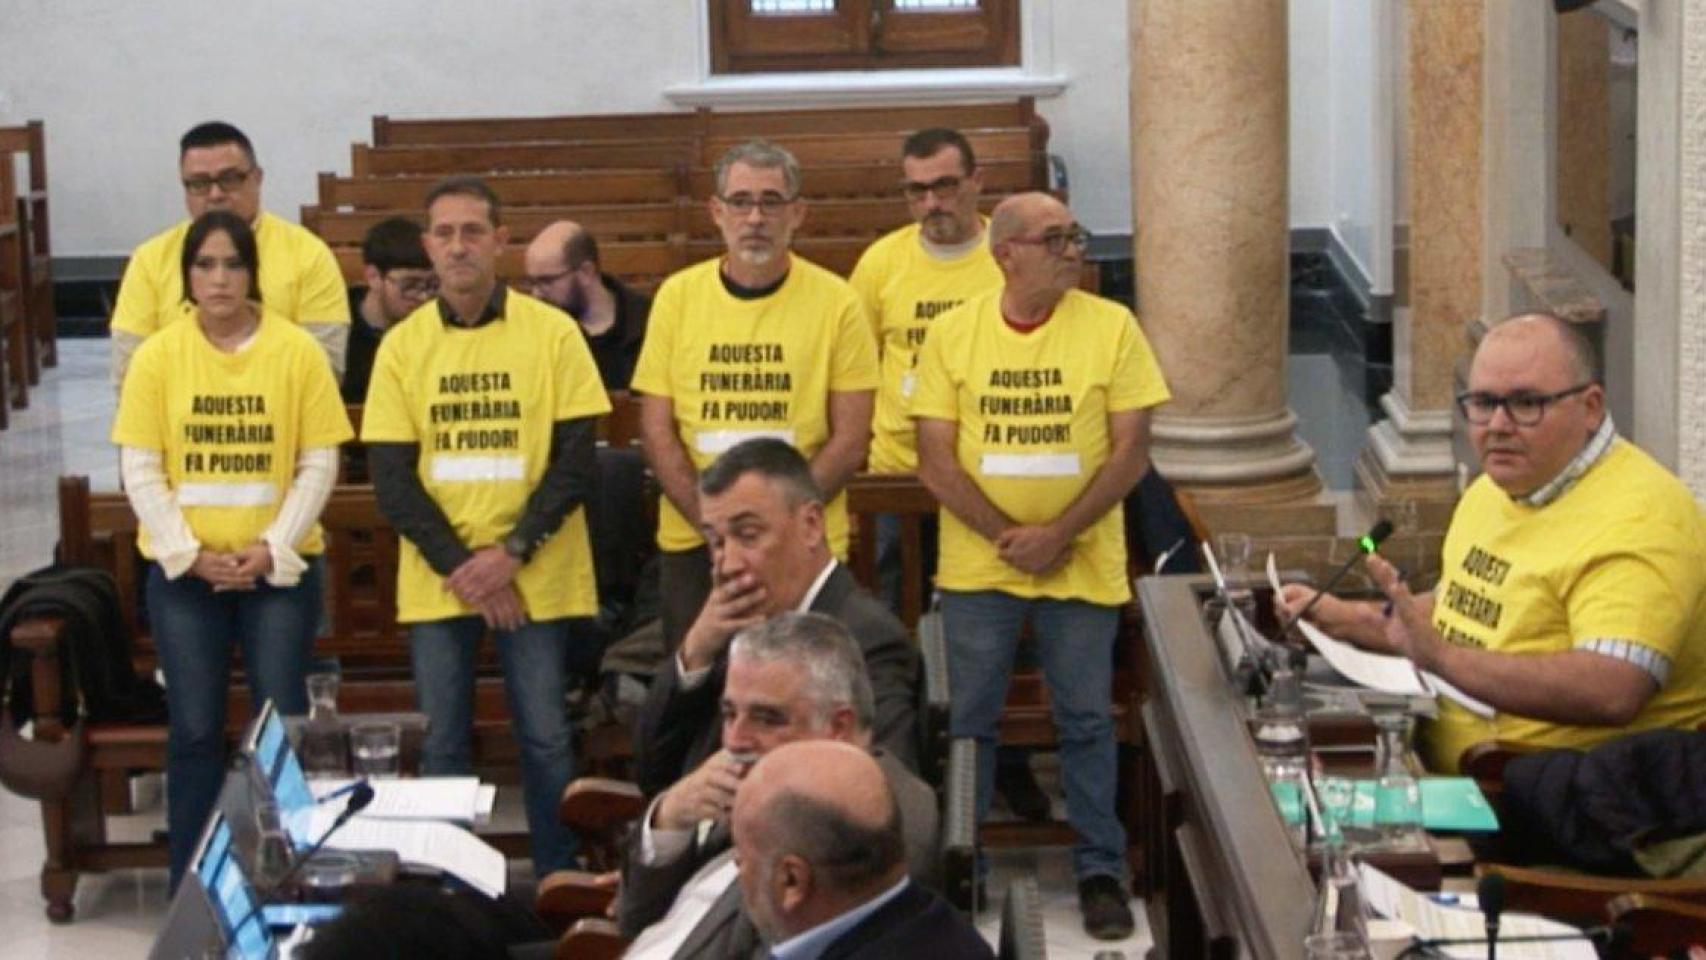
[
  {"x": 1075, "y": 643},
  {"x": 195, "y": 630},
  {"x": 533, "y": 659},
  {"x": 889, "y": 567}
]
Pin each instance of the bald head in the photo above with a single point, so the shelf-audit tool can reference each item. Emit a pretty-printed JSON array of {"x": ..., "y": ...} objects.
[
  {"x": 562, "y": 266},
  {"x": 817, "y": 832},
  {"x": 1014, "y": 216},
  {"x": 1554, "y": 337}
]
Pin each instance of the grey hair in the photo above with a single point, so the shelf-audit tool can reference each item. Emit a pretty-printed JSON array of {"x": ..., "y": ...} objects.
[
  {"x": 760, "y": 155},
  {"x": 849, "y": 856},
  {"x": 834, "y": 664}
]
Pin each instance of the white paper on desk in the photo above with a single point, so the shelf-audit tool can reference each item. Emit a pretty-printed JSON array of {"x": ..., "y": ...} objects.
[
  {"x": 427, "y": 843},
  {"x": 1439, "y": 686},
  {"x": 1376, "y": 671},
  {"x": 1390, "y": 898},
  {"x": 420, "y": 798}
]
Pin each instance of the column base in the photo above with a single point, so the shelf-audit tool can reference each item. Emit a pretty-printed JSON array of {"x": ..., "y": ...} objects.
[
  {"x": 1408, "y": 460},
  {"x": 1249, "y": 474}
]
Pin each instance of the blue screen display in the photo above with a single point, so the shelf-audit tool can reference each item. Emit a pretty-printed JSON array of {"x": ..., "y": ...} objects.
[
  {"x": 232, "y": 898},
  {"x": 283, "y": 770}
]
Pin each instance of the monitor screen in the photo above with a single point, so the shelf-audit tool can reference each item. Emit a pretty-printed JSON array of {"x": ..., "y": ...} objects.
[
  {"x": 270, "y": 746},
  {"x": 230, "y": 896}
]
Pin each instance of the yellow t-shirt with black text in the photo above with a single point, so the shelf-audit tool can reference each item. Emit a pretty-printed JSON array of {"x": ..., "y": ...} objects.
[
  {"x": 904, "y": 288},
  {"x": 1032, "y": 414},
  {"x": 481, "y": 403},
  {"x": 299, "y": 278},
  {"x": 738, "y": 369},
  {"x": 230, "y": 426},
  {"x": 1621, "y": 555}
]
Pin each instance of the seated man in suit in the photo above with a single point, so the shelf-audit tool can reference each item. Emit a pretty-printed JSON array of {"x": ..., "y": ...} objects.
[
  {"x": 822, "y": 869},
  {"x": 762, "y": 515},
  {"x": 798, "y": 676}
]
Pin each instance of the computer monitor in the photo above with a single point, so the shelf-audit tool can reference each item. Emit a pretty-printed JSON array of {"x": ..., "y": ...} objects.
[
  {"x": 230, "y": 895},
  {"x": 269, "y": 746}
]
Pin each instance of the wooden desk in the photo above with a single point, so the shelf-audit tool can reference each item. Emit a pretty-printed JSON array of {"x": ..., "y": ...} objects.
[{"x": 1224, "y": 879}]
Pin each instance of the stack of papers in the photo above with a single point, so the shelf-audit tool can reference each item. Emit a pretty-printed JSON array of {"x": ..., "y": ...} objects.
[
  {"x": 458, "y": 799},
  {"x": 426, "y": 843},
  {"x": 1432, "y": 920},
  {"x": 1379, "y": 671}
]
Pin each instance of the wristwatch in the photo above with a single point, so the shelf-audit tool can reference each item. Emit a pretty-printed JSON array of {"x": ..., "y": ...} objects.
[{"x": 517, "y": 547}]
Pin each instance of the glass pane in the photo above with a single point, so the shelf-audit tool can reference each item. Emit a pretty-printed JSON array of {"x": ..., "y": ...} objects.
[
  {"x": 789, "y": 7},
  {"x": 929, "y": 5}
]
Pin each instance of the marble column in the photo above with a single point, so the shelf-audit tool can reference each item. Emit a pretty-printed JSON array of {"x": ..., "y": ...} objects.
[
  {"x": 1209, "y": 159},
  {"x": 1408, "y": 456}
]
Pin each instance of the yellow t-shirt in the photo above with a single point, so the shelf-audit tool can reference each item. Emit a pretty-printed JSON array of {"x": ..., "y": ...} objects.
[
  {"x": 1621, "y": 555},
  {"x": 904, "y": 288},
  {"x": 1032, "y": 410},
  {"x": 737, "y": 369},
  {"x": 481, "y": 403},
  {"x": 300, "y": 280},
  {"x": 230, "y": 426}
]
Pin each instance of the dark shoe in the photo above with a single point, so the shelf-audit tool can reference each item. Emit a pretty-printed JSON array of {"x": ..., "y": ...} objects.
[
  {"x": 1018, "y": 786},
  {"x": 1107, "y": 912}
]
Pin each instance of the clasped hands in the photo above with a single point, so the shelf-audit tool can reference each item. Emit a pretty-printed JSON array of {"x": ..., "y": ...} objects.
[
  {"x": 707, "y": 793},
  {"x": 485, "y": 581},
  {"x": 236, "y": 570},
  {"x": 1036, "y": 549}
]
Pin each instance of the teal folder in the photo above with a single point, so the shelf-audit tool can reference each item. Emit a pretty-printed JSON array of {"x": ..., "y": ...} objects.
[{"x": 1448, "y": 803}]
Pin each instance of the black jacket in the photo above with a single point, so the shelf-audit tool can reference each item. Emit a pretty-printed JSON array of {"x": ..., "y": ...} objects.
[{"x": 1592, "y": 810}]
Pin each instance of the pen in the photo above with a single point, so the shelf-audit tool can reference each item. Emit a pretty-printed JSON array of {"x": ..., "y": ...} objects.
[{"x": 344, "y": 790}]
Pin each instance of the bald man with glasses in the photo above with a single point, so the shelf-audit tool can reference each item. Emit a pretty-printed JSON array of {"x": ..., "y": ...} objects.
[
  {"x": 299, "y": 277},
  {"x": 1572, "y": 593},
  {"x": 563, "y": 270}
]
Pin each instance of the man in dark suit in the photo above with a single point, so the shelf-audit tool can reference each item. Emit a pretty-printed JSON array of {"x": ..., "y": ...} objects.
[
  {"x": 822, "y": 864},
  {"x": 798, "y": 676},
  {"x": 762, "y": 515}
]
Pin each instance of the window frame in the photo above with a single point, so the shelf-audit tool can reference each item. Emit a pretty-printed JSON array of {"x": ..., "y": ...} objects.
[{"x": 861, "y": 35}]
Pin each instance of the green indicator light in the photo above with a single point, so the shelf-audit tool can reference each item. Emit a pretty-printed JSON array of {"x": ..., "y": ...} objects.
[{"x": 1367, "y": 543}]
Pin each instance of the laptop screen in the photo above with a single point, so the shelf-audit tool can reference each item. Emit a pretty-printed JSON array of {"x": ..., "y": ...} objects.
[
  {"x": 229, "y": 894},
  {"x": 270, "y": 746}
]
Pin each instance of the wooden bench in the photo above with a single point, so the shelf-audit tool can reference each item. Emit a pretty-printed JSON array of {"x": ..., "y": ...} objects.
[
  {"x": 35, "y": 250},
  {"x": 809, "y": 148},
  {"x": 703, "y": 122},
  {"x": 17, "y": 346}
]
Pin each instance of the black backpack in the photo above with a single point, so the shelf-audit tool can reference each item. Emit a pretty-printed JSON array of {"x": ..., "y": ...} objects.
[{"x": 97, "y": 641}]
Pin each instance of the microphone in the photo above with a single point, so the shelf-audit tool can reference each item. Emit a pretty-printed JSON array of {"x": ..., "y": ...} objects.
[
  {"x": 1366, "y": 544},
  {"x": 1606, "y": 936},
  {"x": 1490, "y": 894},
  {"x": 360, "y": 795}
]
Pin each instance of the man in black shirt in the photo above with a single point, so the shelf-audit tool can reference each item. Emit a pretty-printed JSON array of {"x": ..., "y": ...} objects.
[
  {"x": 398, "y": 278},
  {"x": 563, "y": 270}
]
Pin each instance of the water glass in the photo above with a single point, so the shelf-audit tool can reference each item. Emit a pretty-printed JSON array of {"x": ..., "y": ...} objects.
[
  {"x": 1335, "y": 946},
  {"x": 272, "y": 847},
  {"x": 376, "y": 747}
]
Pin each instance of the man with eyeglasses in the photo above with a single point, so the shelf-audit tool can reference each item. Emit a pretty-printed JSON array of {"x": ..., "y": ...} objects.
[
  {"x": 1033, "y": 406},
  {"x": 399, "y": 279},
  {"x": 908, "y": 278},
  {"x": 299, "y": 277},
  {"x": 755, "y": 343},
  {"x": 1572, "y": 594},
  {"x": 562, "y": 270}
]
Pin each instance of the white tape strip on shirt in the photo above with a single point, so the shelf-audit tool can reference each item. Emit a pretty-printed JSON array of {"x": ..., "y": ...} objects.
[
  {"x": 718, "y": 442},
  {"x": 448, "y": 469},
  {"x": 1031, "y": 465},
  {"x": 227, "y": 494}
]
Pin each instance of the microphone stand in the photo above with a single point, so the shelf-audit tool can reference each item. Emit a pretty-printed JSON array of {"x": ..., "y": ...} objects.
[{"x": 361, "y": 794}]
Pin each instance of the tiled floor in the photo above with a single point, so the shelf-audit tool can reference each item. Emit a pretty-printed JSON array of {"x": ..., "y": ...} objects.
[{"x": 65, "y": 431}]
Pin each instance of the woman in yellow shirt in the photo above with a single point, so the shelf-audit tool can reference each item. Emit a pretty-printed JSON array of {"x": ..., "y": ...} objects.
[{"x": 228, "y": 430}]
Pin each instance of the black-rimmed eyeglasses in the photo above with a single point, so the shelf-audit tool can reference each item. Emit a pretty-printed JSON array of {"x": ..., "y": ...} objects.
[{"x": 1524, "y": 408}]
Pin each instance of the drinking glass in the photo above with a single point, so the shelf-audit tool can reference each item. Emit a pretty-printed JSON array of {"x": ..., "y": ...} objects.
[{"x": 376, "y": 746}]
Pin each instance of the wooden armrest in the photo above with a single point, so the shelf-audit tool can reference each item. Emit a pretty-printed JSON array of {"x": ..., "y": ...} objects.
[
  {"x": 600, "y": 804},
  {"x": 565, "y": 896},
  {"x": 43, "y": 637},
  {"x": 1581, "y": 897},
  {"x": 39, "y": 635},
  {"x": 1657, "y": 926},
  {"x": 592, "y": 940}
]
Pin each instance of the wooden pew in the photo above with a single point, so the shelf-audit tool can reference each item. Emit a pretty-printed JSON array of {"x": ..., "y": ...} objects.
[
  {"x": 702, "y": 122},
  {"x": 17, "y": 346},
  {"x": 640, "y": 263},
  {"x": 35, "y": 249},
  {"x": 809, "y": 149},
  {"x": 98, "y": 529},
  {"x": 645, "y": 185}
]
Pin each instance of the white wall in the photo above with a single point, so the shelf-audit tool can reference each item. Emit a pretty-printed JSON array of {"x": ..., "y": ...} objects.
[
  {"x": 1359, "y": 107},
  {"x": 117, "y": 82}
]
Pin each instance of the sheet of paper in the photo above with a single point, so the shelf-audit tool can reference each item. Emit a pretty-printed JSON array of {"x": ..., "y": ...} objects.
[
  {"x": 1377, "y": 671},
  {"x": 418, "y": 798},
  {"x": 1440, "y": 687},
  {"x": 1391, "y": 898},
  {"x": 441, "y": 846}
]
